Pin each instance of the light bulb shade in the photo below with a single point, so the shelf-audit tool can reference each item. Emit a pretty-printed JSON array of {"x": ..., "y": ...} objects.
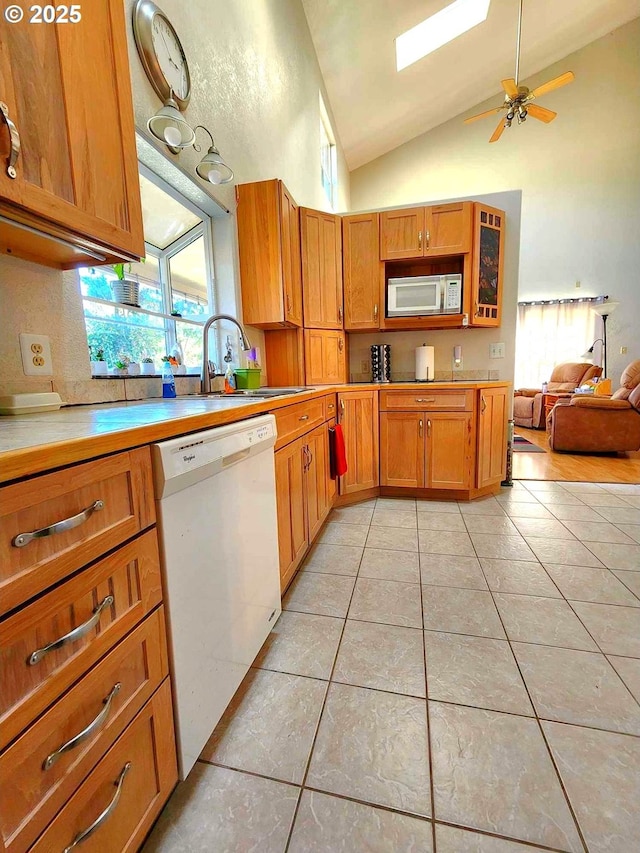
[
  {"x": 212, "y": 168},
  {"x": 169, "y": 126},
  {"x": 602, "y": 308},
  {"x": 588, "y": 355}
]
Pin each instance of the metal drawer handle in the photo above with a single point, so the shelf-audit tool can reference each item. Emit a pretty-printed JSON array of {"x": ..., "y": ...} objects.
[
  {"x": 340, "y": 314},
  {"x": 425, "y": 399},
  {"x": 375, "y": 311},
  {"x": 82, "y": 836},
  {"x": 483, "y": 404},
  {"x": 86, "y": 733},
  {"x": 23, "y": 539},
  {"x": 340, "y": 344},
  {"x": 303, "y": 418},
  {"x": 77, "y": 633},
  {"x": 14, "y": 138},
  {"x": 428, "y": 427},
  {"x": 419, "y": 239},
  {"x": 428, "y": 238},
  {"x": 331, "y": 406},
  {"x": 420, "y": 427}
]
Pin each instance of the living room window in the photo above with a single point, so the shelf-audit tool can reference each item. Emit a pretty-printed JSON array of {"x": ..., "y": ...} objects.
[
  {"x": 175, "y": 282},
  {"x": 550, "y": 333}
]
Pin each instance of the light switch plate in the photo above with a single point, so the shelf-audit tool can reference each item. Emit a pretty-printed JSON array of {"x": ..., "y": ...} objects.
[
  {"x": 496, "y": 350},
  {"x": 36, "y": 355}
]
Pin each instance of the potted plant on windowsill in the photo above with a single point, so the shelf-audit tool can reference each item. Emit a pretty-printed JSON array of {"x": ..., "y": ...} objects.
[
  {"x": 125, "y": 290},
  {"x": 147, "y": 367},
  {"x": 99, "y": 366}
]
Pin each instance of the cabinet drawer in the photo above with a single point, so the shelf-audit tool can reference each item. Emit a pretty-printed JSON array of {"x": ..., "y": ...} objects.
[
  {"x": 34, "y": 789},
  {"x": 426, "y": 400},
  {"x": 130, "y": 577},
  {"x": 330, "y": 403},
  {"x": 294, "y": 421},
  {"x": 121, "y": 483},
  {"x": 127, "y": 789}
]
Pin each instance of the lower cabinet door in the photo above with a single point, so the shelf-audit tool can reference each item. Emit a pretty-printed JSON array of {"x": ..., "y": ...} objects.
[
  {"x": 402, "y": 446},
  {"x": 290, "y": 498},
  {"x": 114, "y": 808},
  {"x": 358, "y": 414},
  {"x": 332, "y": 483},
  {"x": 449, "y": 450},
  {"x": 316, "y": 480},
  {"x": 492, "y": 436}
]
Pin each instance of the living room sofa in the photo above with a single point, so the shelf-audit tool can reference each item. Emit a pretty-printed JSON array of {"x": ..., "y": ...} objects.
[{"x": 528, "y": 410}]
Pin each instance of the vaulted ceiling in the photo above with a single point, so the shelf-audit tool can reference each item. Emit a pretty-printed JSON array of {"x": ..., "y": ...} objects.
[{"x": 377, "y": 108}]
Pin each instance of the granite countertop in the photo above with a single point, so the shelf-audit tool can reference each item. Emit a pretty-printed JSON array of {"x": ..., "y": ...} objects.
[{"x": 38, "y": 442}]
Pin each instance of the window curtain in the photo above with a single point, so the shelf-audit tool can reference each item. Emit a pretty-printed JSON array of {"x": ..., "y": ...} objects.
[{"x": 550, "y": 334}]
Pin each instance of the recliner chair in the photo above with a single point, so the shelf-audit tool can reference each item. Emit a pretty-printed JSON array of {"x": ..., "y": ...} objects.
[
  {"x": 528, "y": 410},
  {"x": 585, "y": 424}
]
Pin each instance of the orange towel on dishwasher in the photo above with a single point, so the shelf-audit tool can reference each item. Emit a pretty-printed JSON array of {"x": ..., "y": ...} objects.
[{"x": 337, "y": 452}]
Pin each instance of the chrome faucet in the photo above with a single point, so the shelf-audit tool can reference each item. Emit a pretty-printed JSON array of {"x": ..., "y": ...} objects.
[{"x": 205, "y": 381}]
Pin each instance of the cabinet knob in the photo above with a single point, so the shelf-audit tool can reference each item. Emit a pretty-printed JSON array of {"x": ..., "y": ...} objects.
[{"x": 14, "y": 139}]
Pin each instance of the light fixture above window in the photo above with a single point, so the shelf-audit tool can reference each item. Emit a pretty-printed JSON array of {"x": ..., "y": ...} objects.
[
  {"x": 172, "y": 129},
  {"x": 446, "y": 25}
]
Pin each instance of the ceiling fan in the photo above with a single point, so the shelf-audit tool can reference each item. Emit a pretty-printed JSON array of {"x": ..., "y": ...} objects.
[{"x": 517, "y": 99}]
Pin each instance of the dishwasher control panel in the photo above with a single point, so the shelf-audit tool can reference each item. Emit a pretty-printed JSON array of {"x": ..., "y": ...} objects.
[{"x": 180, "y": 461}]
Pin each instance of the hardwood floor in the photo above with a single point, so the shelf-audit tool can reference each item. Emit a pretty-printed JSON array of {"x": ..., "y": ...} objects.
[{"x": 577, "y": 467}]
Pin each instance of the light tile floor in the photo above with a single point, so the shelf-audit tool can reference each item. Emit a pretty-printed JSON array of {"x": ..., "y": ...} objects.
[{"x": 521, "y": 732}]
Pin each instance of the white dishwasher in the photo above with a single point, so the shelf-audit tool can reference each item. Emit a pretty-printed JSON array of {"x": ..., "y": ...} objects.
[{"x": 216, "y": 502}]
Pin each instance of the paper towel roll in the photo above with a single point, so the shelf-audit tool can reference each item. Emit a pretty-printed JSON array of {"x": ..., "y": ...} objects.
[{"x": 425, "y": 363}]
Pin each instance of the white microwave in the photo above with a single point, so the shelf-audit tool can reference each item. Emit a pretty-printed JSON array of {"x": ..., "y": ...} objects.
[{"x": 424, "y": 294}]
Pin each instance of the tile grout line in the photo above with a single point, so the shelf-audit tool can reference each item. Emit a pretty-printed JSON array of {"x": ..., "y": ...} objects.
[
  {"x": 324, "y": 703},
  {"x": 541, "y": 730},
  {"x": 428, "y": 718}
]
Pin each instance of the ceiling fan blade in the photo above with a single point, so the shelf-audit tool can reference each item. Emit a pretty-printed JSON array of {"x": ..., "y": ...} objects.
[
  {"x": 562, "y": 80},
  {"x": 497, "y": 133},
  {"x": 541, "y": 113},
  {"x": 510, "y": 87},
  {"x": 483, "y": 115}
]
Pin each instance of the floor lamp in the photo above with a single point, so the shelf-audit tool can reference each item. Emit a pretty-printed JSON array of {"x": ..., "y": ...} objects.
[{"x": 603, "y": 309}]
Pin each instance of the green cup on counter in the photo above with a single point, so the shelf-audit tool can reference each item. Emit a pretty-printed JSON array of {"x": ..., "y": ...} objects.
[{"x": 247, "y": 377}]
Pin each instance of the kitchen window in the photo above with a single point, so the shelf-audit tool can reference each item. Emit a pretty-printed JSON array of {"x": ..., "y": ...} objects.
[
  {"x": 176, "y": 285},
  {"x": 328, "y": 157}
]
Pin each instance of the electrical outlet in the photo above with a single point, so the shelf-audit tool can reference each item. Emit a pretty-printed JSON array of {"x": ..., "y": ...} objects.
[
  {"x": 36, "y": 355},
  {"x": 496, "y": 350},
  {"x": 623, "y": 350},
  {"x": 578, "y": 284},
  {"x": 364, "y": 366}
]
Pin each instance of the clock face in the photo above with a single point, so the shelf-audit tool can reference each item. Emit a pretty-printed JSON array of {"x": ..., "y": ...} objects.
[
  {"x": 161, "y": 53},
  {"x": 170, "y": 56}
]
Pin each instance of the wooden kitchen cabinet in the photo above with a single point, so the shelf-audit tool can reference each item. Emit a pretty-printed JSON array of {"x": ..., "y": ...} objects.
[
  {"x": 449, "y": 450},
  {"x": 436, "y": 231},
  {"x": 75, "y": 197},
  {"x": 325, "y": 357},
  {"x": 269, "y": 249},
  {"x": 316, "y": 480},
  {"x": 358, "y": 416},
  {"x": 402, "y": 449},
  {"x": 321, "y": 251},
  {"x": 290, "y": 499},
  {"x": 492, "y": 436},
  {"x": 487, "y": 265},
  {"x": 361, "y": 271}
]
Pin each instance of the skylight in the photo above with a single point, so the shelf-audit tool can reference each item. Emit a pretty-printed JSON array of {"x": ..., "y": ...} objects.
[{"x": 444, "y": 26}]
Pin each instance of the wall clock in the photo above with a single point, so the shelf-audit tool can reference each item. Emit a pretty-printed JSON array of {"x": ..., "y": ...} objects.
[{"x": 161, "y": 53}]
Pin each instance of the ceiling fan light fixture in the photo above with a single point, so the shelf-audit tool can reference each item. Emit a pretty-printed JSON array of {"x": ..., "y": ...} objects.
[{"x": 446, "y": 25}]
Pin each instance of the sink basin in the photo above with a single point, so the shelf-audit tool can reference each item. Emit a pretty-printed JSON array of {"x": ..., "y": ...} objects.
[{"x": 259, "y": 393}]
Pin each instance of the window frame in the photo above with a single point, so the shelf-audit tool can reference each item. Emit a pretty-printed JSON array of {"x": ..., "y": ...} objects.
[
  {"x": 203, "y": 229},
  {"x": 326, "y": 130}
]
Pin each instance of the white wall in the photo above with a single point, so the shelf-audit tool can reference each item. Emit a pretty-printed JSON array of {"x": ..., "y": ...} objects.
[
  {"x": 579, "y": 176},
  {"x": 255, "y": 83}
]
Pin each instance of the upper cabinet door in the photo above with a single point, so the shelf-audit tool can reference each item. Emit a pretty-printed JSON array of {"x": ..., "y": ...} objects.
[
  {"x": 488, "y": 262},
  {"x": 448, "y": 229},
  {"x": 269, "y": 248},
  {"x": 291, "y": 274},
  {"x": 361, "y": 251},
  {"x": 402, "y": 233},
  {"x": 325, "y": 357},
  {"x": 67, "y": 90},
  {"x": 321, "y": 249}
]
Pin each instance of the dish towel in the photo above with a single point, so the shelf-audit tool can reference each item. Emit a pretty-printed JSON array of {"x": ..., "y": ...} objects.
[{"x": 337, "y": 452}]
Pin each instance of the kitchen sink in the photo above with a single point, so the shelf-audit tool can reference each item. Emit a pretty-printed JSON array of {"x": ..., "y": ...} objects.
[{"x": 260, "y": 393}]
